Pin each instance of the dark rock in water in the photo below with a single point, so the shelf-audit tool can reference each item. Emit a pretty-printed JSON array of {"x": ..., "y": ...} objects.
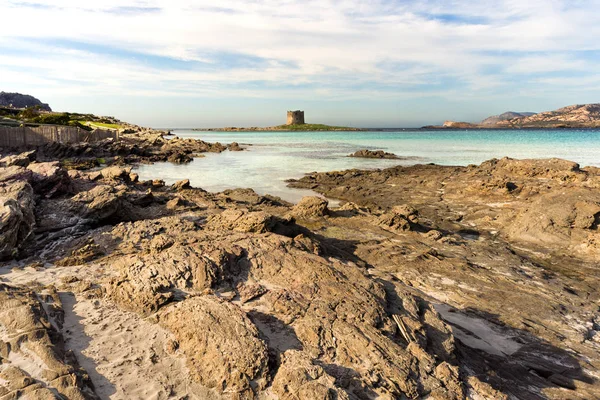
[
  {"x": 180, "y": 158},
  {"x": 374, "y": 154},
  {"x": 234, "y": 146},
  {"x": 18, "y": 100}
]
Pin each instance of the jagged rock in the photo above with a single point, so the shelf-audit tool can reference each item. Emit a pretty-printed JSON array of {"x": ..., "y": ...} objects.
[
  {"x": 221, "y": 344},
  {"x": 181, "y": 185},
  {"x": 134, "y": 178},
  {"x": 400, "y": 218},
  {"x": 35, "y": 362},
  {"x": 299, "y": 378},
  {"x": 242, "y": 221},
  {"x": 16, "y": 217},
  {"x": 557, "y": 218},
  {"x": 249, "y": 292},
  {"x": 15, "y": 173},
  {"x": 20, "y": 160},
  {"x": 174, "y": 203},
  {"x": 49, "y": 178},
  {"x": 116, "y": 172},
  {"x": 311, "y": 206},
  {"x": 100, "y": 203}
]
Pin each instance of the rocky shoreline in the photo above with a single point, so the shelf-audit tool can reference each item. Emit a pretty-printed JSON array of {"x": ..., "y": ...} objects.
[{"x": 476, "y": 282}]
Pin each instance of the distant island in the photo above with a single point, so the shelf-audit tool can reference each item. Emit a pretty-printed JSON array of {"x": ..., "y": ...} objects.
[
  {"x": 295, "y": 122},
  {"x": 284, "y": 128},
  {"x": 575, "y": 116}
]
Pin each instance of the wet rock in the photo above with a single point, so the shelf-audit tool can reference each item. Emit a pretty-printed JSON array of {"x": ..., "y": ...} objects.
[
  {"x": 180, "y": 158},
  {"x": 374, "y": 154},
  {"x": 234, "y": 146},
  {"x": 310, "y": 206}
]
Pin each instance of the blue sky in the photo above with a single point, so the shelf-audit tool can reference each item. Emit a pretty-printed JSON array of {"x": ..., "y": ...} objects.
[{"x": 188, "y": 63}]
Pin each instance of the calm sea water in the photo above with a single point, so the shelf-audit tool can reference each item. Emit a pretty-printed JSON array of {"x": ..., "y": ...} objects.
[{"x": 274, "y": 157}]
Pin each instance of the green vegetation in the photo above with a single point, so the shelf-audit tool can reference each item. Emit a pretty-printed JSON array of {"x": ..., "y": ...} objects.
[
  {"x": 89, "y": 122},
  {"x": 314, "y": 127},
  {"x": 106, "y": 125}
]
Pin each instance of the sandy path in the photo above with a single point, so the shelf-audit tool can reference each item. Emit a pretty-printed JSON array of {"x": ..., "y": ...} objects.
[{"x": 126, "y": 356}]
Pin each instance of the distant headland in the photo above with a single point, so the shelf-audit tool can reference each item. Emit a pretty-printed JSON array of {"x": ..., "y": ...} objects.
[{"x": 570, "y": 117}]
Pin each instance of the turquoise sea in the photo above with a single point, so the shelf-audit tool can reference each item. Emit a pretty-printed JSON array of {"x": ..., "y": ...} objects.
[{"x": 273, "y": 157}]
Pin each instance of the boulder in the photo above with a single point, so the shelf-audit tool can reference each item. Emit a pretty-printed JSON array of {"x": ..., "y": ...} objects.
[
  {"x": 221, "y": 344},
  {"x": 234, "y": 146},
  {"x": 311, "y": 206},
  {"x": 100, "y": 203},
  {"x": 400, "y": 218},
  {"x": 243, "y": 221},
  {"x": 116, "y": 172},
  {"x": 181, "y": 185}
]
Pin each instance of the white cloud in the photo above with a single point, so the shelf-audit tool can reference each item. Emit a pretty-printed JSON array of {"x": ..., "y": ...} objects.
[{"x": 342, "y": 48}]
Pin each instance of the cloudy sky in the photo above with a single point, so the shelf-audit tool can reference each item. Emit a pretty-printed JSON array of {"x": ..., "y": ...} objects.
[{"x": 200, "y": 63}]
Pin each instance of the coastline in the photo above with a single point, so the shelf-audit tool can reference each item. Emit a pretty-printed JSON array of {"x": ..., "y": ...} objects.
[{"x": 423, "y": 256}]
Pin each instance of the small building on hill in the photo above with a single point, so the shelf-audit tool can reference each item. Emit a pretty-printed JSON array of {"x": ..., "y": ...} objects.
[{"x": 295, "y": 118}]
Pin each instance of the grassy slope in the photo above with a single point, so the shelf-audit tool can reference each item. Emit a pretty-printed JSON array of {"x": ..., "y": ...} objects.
[
  {"x": 313, "y": 127},
  {"x": 101, "y": 125}
]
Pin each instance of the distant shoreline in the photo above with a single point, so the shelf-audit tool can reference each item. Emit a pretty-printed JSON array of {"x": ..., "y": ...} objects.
[{"x": 424, "y": 129}]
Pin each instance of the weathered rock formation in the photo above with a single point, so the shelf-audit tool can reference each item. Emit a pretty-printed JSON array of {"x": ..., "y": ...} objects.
[
  {"x": 18, "y": 100},
  {"x": 476, "y": 282},
  {"x": 374, "y": 154}
]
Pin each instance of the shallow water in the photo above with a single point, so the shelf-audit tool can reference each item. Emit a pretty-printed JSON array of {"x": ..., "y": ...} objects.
[{"x": 274, "y": 157}]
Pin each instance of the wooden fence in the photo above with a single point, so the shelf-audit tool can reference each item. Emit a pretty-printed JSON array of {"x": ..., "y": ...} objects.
[{"x": 17, "y": 137}]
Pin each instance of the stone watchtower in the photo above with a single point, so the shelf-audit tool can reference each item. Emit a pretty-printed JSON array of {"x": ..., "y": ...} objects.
[{"x": 295, "y": 118}]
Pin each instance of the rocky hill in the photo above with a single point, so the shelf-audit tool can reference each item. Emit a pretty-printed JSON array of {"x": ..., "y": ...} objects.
[
  {"x": 18, "y": 100},
  {"x": 505, "y": 117},
  {"x": 575, "y": 116}
]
